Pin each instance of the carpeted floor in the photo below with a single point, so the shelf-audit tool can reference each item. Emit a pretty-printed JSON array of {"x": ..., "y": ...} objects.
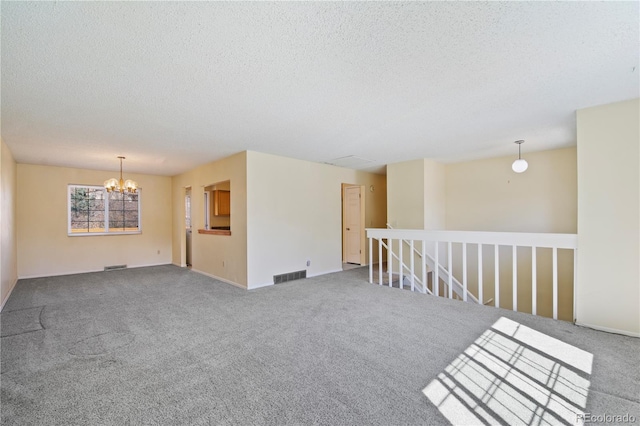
[{"x": 165, "y": 345}]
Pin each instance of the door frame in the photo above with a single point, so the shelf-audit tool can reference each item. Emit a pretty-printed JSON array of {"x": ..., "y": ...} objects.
[
  {"x": 188, "y": 192},
  {"x": 363, "y": 237},
  {"x": 183, "y": 227}
]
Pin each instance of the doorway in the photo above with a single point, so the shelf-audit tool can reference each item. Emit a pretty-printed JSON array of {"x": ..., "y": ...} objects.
[
  {"x": 187, "y": 225},
  {"x": 353, "y": 235}
]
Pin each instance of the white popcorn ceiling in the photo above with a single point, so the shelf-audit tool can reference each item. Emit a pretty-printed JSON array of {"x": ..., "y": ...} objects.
[{"x": 175, "y": 85}]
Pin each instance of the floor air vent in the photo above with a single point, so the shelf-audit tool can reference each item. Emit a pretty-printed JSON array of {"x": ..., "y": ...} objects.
[
  {"x": 283, "y": 278},
  {"x": 115, "y": 267}
]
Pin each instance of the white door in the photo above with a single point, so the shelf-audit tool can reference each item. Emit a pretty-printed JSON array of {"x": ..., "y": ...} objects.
[{"x": 352, "y": 224}]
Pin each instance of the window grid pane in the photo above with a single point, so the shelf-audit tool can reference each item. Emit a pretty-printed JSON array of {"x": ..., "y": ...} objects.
[
  {"x": 123, "y": 212},
  {"x": 87, "y": 211}
]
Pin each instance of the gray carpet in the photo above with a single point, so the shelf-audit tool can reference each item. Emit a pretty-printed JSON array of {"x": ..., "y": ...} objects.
[{"x": 165, "y": 345}]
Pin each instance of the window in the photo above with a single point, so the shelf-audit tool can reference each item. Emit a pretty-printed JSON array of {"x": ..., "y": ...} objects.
[{"x": 93, "y": 210}]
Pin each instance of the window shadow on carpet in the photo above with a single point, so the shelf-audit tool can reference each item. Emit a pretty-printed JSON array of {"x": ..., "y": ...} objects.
[{"x": 513, "y": 374}]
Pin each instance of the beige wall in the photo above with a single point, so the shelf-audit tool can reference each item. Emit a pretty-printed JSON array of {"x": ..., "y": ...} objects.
[
  {"x": 294, "y": 214},
  {"x": 486, "y": 195},
  {"x": 405, "y": 195},
  {"x": 434, "y": 195},
  {"x": 45, "y": 249},
  {"x": 608, "y": 293},
  {"x": 416, "y": 195},
  {"x": 8, "y": 248},
  {"x": 220, "y": 256}
]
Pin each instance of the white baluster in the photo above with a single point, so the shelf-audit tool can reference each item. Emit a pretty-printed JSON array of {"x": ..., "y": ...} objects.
[
  {"x": 449, "y": 264},
  {"x": 424, "y": 266},
  {"x": 380, "y": 261},
  {"x": 515, "y": 278},
  {"x": 436, "y": 279},
  {"x": 497, "y": 276},
  {"x": 480, "y": 285},
  {"x": 464, "y": 271},
  {"x": 389, "y": 258},
  {"x": 555, "y": 283},
  {"x": 534, "y": 282},
  {"x": 401, "y": 262},
  {"x": 413, "y": 274}
]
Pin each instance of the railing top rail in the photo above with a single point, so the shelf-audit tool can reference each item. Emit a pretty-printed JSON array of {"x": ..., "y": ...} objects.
[{"x": 526, "y": 239}]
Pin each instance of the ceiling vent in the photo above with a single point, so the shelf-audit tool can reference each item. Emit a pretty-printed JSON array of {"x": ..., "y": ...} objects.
[{"x": 350, "y": 162}]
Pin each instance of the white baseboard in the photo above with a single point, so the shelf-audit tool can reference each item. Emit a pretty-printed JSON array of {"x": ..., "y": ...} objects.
[
  {"x": 59, "y": 274},
  {"x": 148, "y": 265},
  {"x": 260, "y": 286},
  {"x": 85, "y": 271},
  {"x": 215, "y": 277},
  {"x": 324, "y": 273},
  {"x": 8, "y": 294},
  {"x": 608, "y": 330}
]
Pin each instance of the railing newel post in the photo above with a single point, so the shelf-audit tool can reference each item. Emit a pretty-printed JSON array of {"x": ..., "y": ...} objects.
[
  {"x": 575, "y": 282},
  {"x": 370, "y": 260}
]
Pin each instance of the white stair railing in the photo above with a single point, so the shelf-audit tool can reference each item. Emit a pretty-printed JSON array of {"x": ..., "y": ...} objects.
[
  {"x": 386, "y": 238},
  {"x": 421, "y": 283},
  {"x": 451, "y": 284}
]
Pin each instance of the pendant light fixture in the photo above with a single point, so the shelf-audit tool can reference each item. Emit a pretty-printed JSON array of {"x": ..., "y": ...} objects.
[
  {"x": 121, "y": 185},
  {"x": 519, "y": 165}
]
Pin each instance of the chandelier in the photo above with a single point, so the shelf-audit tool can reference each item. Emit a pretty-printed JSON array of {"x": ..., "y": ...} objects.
[{"x": 122, "y": 185}]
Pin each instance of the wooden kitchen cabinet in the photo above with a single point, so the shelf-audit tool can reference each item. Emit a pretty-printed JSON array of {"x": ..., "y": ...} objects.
[{"x": 221, "y": 203}]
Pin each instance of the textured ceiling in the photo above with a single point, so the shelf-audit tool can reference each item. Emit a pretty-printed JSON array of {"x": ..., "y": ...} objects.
[{"x": 176, "y": 85}]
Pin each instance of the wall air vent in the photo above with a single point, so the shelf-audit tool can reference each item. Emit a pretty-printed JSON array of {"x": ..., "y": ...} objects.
[
  {"x": 283, "y": 278},
  {"x": 115, "y": 267}
]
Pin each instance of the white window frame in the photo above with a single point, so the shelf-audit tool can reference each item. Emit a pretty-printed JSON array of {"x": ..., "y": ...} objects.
[{"x": 106, "y": 214}]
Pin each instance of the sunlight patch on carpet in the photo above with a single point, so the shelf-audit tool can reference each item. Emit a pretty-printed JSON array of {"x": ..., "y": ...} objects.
[{"x": 514, "y": 374}]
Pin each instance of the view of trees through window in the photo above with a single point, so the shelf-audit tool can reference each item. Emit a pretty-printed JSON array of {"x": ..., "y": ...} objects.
[{"x": 94, "y": 210}]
